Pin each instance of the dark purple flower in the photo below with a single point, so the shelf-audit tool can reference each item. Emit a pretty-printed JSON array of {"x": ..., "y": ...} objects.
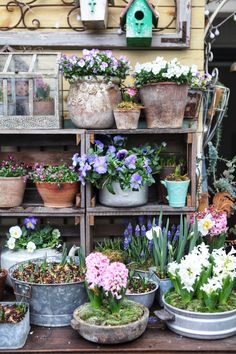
[
  {"x": 137, "y": 231},
  {"x": 30, "y": 222},
  {"x": 118, "y": 140},
  {"x": 135, "y": 181},
  {"x": 100, "y": 165},
  {"x": 121, "y": 154},
  {"x": 99, "y": 144},
  {"x": 130, "y": 228},
  {"x": 143, "y": 231},
  {"x": 130, "y": 161}
]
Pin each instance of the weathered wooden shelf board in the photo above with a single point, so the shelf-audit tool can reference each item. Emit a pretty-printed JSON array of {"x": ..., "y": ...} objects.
[
  {"x": 40, "y": 210},
  {"x": 150, "y": 208},
  {"x": 144, "y": 131},
  {"x": 42, "y": 131}
]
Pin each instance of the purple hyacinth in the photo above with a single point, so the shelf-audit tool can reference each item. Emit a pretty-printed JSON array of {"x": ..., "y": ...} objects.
[
  {"x": 30, "y": 222},
  {"x": 177, "y": 233},
  {"x": 169, "y": 235},
  {"x": 143, "y": 230},
  {"x": 100, "y": 165},
  {"x": 130, "y": 161},
  {"x": 137, "y": 231},
  {"x": 149, "y": 224},
  {"x": 99, "y": 144},
  {"x": 142, "y": 254},
  {"x": 141, "y": 220},
  {"x": 126, "y": 233},
  {"x": 150, "y": 245},
  {"x": 121, "y": 154},
  {"x": 130, "y": 228},
  {"x": 126, "y": 243},
  {"x": 135, "y": 181}
]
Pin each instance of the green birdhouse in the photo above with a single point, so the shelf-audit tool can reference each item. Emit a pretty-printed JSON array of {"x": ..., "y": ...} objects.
[{"x": 137, "y": 19}]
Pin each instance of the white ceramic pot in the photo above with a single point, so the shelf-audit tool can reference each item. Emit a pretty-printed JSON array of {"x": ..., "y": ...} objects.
[
  {"x": 127, "y": 198},
  {"x": 10, "y": 258}
]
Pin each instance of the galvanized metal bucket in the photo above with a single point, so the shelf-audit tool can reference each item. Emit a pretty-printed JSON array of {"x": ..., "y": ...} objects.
[
  {"x": 51, "y": 305},
  {"x": 145, "y": 299},
  {"x": 198, "y": 324},
  {"x": 14, "y": 335},
  {"x": 163, "y": 286}
]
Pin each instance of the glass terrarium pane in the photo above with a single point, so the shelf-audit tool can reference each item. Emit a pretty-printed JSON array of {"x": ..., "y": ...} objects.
[
  {"x": 18, "y": 97},
  {"x": 20, "y": 63},
  {"x": 44, "y": 97},
  {"x": 3, "y": 59},
  {"x": 1, "y": 97},
  {"x": 46, "y": 63}
]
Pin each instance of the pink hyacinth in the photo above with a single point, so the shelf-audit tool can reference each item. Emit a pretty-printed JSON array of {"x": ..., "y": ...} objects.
[
  {"x": 115, "y": 279},
  {"x": 96, "y": 264},
  {"x": 219, "y": 217}
]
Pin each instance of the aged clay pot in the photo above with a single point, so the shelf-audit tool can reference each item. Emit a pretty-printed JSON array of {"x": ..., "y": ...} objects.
[
  {"x": 11, "y": 191},
  {"x": 3, "y": 278},
  {"x": 164, "y": 104},
  {"x": 58, "y": 195},
  {"x": 110, "y": 334},
  {"x": 194, "y": 100},
  {"x": 127, "y": 119},
  {"x": 44, "y": 108},
  {"x": 91, "y": 101}
]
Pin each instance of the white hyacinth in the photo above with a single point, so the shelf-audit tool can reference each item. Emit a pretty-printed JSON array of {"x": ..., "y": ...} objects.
[{"x": 212, "y": 285}]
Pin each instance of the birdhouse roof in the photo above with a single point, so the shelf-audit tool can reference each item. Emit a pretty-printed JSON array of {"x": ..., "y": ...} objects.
[{"x": 124, "y": 13}]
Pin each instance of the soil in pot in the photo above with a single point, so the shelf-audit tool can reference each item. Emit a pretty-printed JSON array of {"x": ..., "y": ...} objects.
[
  {"x": 58, "y": 195},
  {"x": 13, "y": 313},
  {"x": 3, "y": 278},
  {"x": 140, "y": 286}
]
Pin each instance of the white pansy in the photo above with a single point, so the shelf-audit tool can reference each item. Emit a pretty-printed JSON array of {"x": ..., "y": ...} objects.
[
  {"x": 205, "y": 224},
  {"x": 15, "y": 231},
  {"x": 31, "y": 247},
  {"x": 149, "y": 234},
  {"x": 11, "y": 243}
]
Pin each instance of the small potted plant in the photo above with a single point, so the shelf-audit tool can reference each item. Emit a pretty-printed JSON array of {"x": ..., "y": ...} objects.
[
  {"x": 94, "y": 86},
  {"x": 108, "y": 318},
  {"x": 122, "y": 176},
  {"x": 177, "y": 188},
  {"x": 13, "y": 178},
  {"x": 57, "y": 185},
  {"x": 52, "y": 286},
  {"x": 127, "y": 112},
  {"x": 3, "y": 278},
  {"x": 43, "y": 102},
  {"x": 203, "y": 302},
  {"x": 31, "y": 240},
  {"x": 14, "y": 325},
  {"x": 112, "y": 249},
  {"x": 163, "y": 90},
  {"x": 141, "y": 289}
]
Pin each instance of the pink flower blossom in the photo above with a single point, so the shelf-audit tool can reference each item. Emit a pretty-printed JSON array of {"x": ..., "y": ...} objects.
[
  {"x": 218, "y": 217},
  {"x": 115, "y": 279},
  {"x": 96, "y": 264},
  {"x": 131, "y": 91}
]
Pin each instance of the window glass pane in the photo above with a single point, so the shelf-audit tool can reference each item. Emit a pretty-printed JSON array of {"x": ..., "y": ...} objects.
[
  {"x": 46, "y": 64},
  {"x": 20, "y": 63},
  {"x": 44, "y": 97},
  {"x": 18, "y": 97}
]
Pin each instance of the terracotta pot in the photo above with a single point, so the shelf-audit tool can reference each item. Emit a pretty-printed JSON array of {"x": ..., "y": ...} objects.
[
  {"x": 58, "y": 195},
  {"x": 91, "y": 101},
  {"x": 3, "y": 278},
  {"x": 194, "y": 100},
  {"x": 43, "y": 108},
  {"x": 11, "y": 191},
  {"x": 127, "y": 119},
  {"x": 164, "y": 104}
]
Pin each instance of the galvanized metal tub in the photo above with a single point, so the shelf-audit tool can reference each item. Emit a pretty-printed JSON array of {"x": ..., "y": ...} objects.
[
  {"x": 14, "y": 335},
  {"x": 51, "y": 305},
  {"x": 126, "y": 198},
  {"x": 199, "y": 325},
  {"x": 145, "y": 299}
]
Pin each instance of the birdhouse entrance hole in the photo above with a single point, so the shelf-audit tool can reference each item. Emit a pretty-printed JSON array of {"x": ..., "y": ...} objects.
[{"x": 139, "y": 15}]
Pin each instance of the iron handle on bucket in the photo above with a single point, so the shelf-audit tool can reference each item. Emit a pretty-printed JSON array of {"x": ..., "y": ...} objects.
[
  {"x": 164, "y": 315},
  {"x": 23, "y": 290}
]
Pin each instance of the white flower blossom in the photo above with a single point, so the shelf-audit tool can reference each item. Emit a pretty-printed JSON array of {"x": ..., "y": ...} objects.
[
  {"x": 205, "y": 224},
  {"x": 156, "y": 229},
  {"x": 11, "y": 243},
  {"x": 31, "y": 247},
  {"x": 15, "y": 231},
  {"x": 212, "y": 285}
]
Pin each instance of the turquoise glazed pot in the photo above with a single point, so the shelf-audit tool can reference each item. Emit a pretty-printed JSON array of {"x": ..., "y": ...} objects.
[{"x": 177, "y": 192}]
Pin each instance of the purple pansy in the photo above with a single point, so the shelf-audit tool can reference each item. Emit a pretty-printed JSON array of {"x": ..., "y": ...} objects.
[
  {"x": 135, "y": 181},
  {"x": 30, "y": 222},
  {"x": 99, "y": 144},
  {"x": 111, "y": 149},
  {"x": 130, "y": 161},
  {"x": 81, "y": 63},
  {"x": 121, "y": 154},
  {"x": 103, "y": 66},
  {"x": 100, "y": 165},
  {"x": 118, "y": 140}
]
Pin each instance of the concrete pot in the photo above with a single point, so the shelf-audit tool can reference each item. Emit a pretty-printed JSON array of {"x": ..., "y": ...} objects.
[
  {"x": 127, "y": 119},
  {"x": 145, "y": 299},
  {"x": 10, "y": 258},
  {"x": 91, "y": 101},
  {"x": 3, "y": 278},
  {"x": 43, "y": 108},
  {"x": 164, "y": 104},
  {"x": 127, "y": 198},
  {"x": 51, "y": 305},
  {"x": 177, "y": 192},
  {"x": 58, "y": 195},
  {"x": 110, "y": 334},
  {"x": 14, "y": 335},
  {"x": 12, "y": 191},
  {"x": 197, "y": 324}
]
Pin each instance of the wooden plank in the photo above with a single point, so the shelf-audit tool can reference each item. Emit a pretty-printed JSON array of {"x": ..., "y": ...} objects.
[
  {"x": 140, "y": 131},
  {"x": 40, "y": 210},
  {"x": 47, "y": 158},
  {"x": 42, "y": 132}
]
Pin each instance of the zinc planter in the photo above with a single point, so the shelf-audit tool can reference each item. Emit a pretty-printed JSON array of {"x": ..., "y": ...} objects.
[
  {"x": 3, "y": 278},
  {"x": 110, "y": 334},
  {"x": 177, "y": 192},
  {"x": 14, "y": 335},
  {"x": 126, "y": 198},
  {"x": 10, "y": 258},
  {"x": 58, "y": 195},
  {"x": 127, "y": 119},
  {"x": 145, "y": 299},
  {"x": 91, "y": 101},
  {"x": 199, "y": 325},
  {"x": 164, "y": 104},
  {"x": 12, "y": 191},
  {"x": 51, "y": 305}
]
